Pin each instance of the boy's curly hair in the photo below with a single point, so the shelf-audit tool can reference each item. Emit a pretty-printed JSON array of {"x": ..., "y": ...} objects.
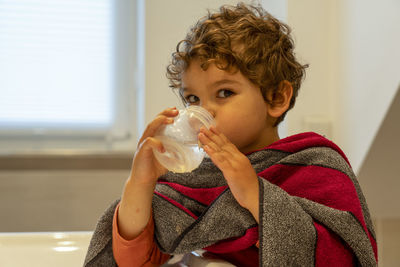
[{"x": 244, "y": 38}]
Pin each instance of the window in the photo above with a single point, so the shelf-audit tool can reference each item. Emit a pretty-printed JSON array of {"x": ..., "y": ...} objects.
[{"x": 66, "y": 74}]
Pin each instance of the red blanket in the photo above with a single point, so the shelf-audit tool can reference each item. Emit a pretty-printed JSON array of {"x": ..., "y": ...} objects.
[{"x": 312, "y": 210}]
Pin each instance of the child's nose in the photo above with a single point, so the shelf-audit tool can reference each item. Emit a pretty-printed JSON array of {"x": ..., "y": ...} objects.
[{"x": 210, "y": 108}]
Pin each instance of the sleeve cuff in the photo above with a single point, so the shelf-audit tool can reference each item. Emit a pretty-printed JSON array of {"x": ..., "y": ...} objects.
[{"x": 144, "y": 237}]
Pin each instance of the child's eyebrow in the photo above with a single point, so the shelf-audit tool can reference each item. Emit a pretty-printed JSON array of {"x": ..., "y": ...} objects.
[
  {"x": 224, "y": 81},
  {"x": 217, "y": 83}
]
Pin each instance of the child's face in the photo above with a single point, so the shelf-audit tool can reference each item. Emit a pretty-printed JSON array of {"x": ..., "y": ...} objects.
[{"x": 237, "y": 105}]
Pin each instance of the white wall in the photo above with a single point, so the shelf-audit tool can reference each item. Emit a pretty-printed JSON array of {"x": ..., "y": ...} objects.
[
  {"x": 313, "y": 32},
  {"x": 352, "y": 49},
  {"x": 277, "y": 8},
  {"x": 368, "y": 69}
]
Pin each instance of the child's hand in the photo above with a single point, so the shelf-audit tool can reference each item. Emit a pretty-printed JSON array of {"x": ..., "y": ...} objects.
[
  {"x": 236, "y": 167},
  {"x": 145, "y": 167},
  {"x": 135, "y": 206}
]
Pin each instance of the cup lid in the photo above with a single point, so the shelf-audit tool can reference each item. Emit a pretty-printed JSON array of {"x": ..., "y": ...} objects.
[{"x": 202, "y": 115}]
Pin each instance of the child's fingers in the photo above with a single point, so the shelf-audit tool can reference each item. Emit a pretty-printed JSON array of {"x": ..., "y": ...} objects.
[
  {"x": 206, "y": 141},
  {"x": 163, "y": 118},
  {"x": 217, "y": 152},
  {"x": 153, "y": 126},
  {"x": 222, "y": 159},
  {"x": 169, "y": 112},
  {"x": 214, "y": 130},
  {"x": 220, "y": 140},
  {"x": 221, "y": 135},
  {"x": 151, "y": 143},
  {"x": 212, "y": 136}
]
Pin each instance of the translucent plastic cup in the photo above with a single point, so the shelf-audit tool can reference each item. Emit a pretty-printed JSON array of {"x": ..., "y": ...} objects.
[{"x": 180, "y": 140}]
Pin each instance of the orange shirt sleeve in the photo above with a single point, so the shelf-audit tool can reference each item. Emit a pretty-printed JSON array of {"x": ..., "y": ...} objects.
[{"x": 140, "y": 251}]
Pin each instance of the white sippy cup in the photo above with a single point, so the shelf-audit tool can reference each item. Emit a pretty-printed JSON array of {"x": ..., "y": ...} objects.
[{"x": 180, "y": 140}]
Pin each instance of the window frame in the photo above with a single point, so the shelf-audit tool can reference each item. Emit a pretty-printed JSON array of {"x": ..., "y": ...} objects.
[{"x": 128, "y": 100}]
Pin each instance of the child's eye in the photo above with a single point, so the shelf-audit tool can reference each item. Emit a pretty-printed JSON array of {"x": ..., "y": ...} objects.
[
  {"x": 224, "y": 93},
  {"x": 192, "y": 99}
]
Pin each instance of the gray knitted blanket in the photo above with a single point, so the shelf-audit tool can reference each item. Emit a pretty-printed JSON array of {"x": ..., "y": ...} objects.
[{"x": 312, "y": 210}]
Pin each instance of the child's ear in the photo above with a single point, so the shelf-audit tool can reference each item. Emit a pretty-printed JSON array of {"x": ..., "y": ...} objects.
[{"x": 278, "y": 101}]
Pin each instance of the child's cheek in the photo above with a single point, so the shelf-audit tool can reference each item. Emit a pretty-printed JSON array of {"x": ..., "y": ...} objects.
[
  {"x": 230, "y": 132},
  {"x": 229, "y": 123}
]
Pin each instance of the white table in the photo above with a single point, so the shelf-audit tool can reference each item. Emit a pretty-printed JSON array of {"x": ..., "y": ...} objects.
[{"x": 43, "y": 249}]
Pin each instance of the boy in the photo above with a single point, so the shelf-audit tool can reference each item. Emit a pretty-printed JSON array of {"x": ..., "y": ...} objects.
[{"x": 257, "y": 200}]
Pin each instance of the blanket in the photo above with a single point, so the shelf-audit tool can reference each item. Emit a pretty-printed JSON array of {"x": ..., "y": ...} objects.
[{"x": 312, "y": 210}]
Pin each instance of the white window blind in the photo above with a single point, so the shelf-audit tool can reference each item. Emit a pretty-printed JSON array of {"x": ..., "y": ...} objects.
[{"x": 56, "y": 63}]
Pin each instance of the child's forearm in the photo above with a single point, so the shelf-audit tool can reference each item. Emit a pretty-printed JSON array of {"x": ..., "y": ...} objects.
[
  {"x": 135, "y": 208},
  {"x": 253, "y": 202}
]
